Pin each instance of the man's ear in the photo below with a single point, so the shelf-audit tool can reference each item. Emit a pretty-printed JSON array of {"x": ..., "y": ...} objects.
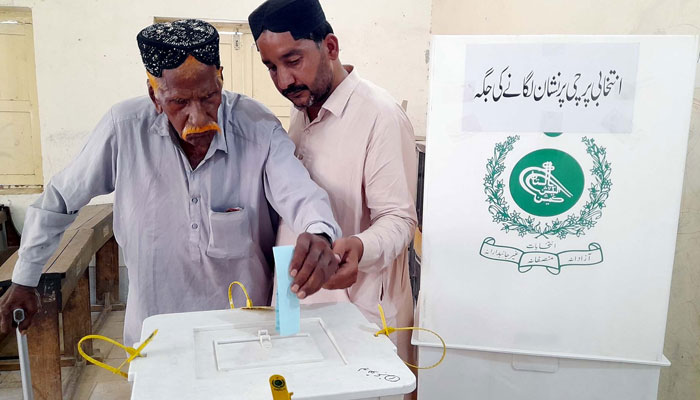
[
  {"x": 331, "y": 44},
  {"x": 152, "y": 95}
]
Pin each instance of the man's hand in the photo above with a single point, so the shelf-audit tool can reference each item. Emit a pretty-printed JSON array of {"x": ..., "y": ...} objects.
[
  {"x": 350, "y": 251},
  {"x": 18, "y": 296},
  {"x": 312, "y": 264}
]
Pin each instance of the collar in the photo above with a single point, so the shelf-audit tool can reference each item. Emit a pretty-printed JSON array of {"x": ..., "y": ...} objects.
[
  {"x": 219, "y": 141},
  {"x": 337, "y": 101}
]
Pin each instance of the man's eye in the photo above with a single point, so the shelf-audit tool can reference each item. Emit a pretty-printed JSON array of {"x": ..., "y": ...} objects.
[
  {"x": 180, "y": 101},
  {"x": 272, "y": 68},
  {"x": 294, "y": 62}
]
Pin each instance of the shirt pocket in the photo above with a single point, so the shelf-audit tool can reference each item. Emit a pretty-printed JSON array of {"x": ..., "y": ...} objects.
[{"x": 229, "y": 234}]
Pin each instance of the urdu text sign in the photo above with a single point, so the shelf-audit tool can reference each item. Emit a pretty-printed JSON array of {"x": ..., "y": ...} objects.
[{"x": 551, "y": 87}]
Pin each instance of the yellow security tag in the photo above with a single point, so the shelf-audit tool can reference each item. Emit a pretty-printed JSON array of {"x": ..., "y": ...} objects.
[
  {"x": 278, "y": 386},
  {"x": 248, "y": 302},
  {"x": 388, "y": 330},
  {"x": 133, "y": 353}
]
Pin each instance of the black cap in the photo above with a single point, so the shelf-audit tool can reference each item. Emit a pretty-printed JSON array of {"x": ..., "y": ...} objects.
[
  {"x": 298, "y": 17},
  {"x": 167, "y": 45}
]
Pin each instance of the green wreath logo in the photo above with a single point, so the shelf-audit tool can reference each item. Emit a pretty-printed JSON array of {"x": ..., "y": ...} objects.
[{"x": 572, "y": 224}]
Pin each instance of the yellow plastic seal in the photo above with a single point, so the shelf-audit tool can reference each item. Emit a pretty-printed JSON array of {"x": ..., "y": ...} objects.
[
  {"x": 133, "y": 353},
  {"x": 248, "y": 302},
  {"x": 388, "y": 330},
  {"x": 278, "y": 386}
]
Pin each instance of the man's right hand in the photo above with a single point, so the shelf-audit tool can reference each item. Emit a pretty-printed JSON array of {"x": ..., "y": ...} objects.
[
  {"x": 349, "y": 250},
  {"x": 18, "y": 296}
]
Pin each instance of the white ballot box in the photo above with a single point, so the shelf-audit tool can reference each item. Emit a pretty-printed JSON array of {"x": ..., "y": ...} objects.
[{"x": 231, "y": 354}]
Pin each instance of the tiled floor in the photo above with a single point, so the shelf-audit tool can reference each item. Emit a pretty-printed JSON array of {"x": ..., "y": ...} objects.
[{"x": 94, "y": 383}]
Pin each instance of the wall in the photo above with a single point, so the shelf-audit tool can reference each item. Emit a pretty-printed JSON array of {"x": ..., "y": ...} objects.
[
  {"x": 681, "y": 381},
  {"x": 87, "y": 60}
]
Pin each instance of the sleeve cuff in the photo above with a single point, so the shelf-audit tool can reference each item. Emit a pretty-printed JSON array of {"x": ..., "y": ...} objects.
[
  {"x": 322, "y": 227},
  {"x": 27, "y": 273},
  {"x": 370, "y": 252}
]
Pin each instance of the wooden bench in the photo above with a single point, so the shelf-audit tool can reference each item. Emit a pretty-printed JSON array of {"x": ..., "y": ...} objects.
[{"x": 64, "y": 289}]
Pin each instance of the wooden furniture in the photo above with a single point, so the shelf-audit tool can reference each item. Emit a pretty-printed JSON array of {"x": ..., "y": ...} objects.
[{"x": 64, "y": 289}]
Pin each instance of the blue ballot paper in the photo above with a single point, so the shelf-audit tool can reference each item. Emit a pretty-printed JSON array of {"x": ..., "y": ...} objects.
[{"x": 287, "y": 311}]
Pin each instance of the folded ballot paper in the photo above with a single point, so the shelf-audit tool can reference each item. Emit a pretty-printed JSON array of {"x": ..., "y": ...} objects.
[{"x": 287, "y": 311}]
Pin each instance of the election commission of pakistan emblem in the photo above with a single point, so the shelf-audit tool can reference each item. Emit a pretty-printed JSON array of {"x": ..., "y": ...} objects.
[{"x": 545, "y": 185}]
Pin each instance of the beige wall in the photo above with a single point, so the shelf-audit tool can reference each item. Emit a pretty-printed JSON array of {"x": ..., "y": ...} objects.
[
  {"x": 87, "y": 59},
  {"x": 682, "y": 380},
  {"x": 537, "y": 17}
]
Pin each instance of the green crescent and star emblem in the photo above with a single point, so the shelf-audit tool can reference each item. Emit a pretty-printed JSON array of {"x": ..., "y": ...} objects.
[{"x": 546, "y": 186}]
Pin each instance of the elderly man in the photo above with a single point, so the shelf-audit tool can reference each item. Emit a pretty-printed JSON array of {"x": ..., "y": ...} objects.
[
  {"x": 358, "y": 145},
  {"x": 200, "y": 178}
]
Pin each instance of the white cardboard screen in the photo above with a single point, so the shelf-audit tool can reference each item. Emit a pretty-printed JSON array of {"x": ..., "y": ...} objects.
[{"x": 555, "y": 245}]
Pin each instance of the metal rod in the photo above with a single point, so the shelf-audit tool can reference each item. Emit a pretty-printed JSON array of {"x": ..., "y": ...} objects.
[{"x": 23, "y": 350}]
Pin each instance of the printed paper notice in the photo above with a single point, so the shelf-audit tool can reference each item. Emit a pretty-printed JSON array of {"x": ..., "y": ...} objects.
[{"x": 579, "y": 88}]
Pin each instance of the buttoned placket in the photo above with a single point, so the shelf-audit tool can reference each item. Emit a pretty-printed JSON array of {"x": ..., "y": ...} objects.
[
  {"x": 308, "y": 130},
  {"x": 302, "y": 145},
  {"x": 194, "y": 192}
]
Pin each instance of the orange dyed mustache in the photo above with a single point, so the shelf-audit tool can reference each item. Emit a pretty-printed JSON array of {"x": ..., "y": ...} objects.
[{"x": 190, "y": 130}]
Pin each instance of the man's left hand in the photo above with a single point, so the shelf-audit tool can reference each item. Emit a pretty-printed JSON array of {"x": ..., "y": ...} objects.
[
  {"x": 350, "y": 251},
  {"x": 312, "y": 264}
]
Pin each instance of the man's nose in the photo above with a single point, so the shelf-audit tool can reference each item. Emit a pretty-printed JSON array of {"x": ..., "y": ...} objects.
[
  {"x": 198, "y": 116},
  {"x": 284, "y": 78}
]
